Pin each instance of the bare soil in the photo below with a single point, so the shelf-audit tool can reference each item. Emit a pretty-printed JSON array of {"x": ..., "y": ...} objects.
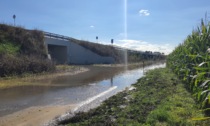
[{"x": 34, "y": 116}]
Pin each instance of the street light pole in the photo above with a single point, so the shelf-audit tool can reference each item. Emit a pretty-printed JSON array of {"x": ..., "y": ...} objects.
[
  {"x": 96, "y": 39},
  {"x": 14, "y": 16},
  {"x": 112, "y": 41}
]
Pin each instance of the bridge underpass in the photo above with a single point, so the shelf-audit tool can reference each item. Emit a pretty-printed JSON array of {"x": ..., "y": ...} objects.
[{"x": 58, "y": 53}]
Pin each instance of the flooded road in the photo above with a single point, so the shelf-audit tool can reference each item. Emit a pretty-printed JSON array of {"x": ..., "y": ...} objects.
[{"x": 68, "y": 90}]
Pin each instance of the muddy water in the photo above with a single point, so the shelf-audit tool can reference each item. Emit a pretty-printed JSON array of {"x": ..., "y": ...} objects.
[{"x": 69, "y": 89}]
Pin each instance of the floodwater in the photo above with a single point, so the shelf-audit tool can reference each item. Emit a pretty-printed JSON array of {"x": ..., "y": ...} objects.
[{"x": 72, "y": 89}]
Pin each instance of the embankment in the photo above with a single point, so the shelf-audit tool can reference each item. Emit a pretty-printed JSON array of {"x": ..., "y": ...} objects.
[{"x": 22, "y": 51}]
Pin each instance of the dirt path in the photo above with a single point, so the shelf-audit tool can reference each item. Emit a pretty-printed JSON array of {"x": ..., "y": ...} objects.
[{"x": 34, "y": 116}]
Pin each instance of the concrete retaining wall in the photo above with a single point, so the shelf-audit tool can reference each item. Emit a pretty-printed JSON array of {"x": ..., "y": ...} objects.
[{"x": 75, "y": 53}]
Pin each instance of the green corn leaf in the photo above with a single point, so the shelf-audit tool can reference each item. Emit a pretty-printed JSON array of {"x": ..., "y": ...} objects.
[
  {"x": 191, "y": 76},
  {"x": 196, "y": 83},
  {"x": 205, "y": 91},
  {"x": 201, "y": 74},
  {"x": 208, "y": 97},
  {"x": 194, "y": 76},
  {"x": 193, "y": 56},
  {"x": 199, "y": 96},
  {"x": 206, "y": 101},
  {"x": 206, "y": 82},
  {"x": 200, "y": 118},
  {"x": 203, "y": 110},
  {"x": 201, "y": 64},
  {"x": 182, "y": 70},
  {"x": 201, "y": 68}
]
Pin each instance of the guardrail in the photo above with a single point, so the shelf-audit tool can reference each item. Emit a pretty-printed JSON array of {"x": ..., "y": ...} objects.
[{"x": 53, "y": 35}]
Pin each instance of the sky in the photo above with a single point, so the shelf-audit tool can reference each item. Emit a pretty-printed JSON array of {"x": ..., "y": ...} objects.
[{"x": 144, "y": 25}]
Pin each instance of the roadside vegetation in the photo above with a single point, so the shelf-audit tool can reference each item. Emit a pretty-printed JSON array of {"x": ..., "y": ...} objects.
[
  {"x": 190, "y": 61},
  {"x": 22, "y": 51},
  {"x": 159, "y": 98}
]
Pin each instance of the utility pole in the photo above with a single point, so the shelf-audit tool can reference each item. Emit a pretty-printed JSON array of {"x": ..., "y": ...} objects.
[{"x": 14, "y": 16}]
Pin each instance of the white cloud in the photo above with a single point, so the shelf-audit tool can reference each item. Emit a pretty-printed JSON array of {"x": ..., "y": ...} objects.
[
  {"x": 144, "y": 46},
  {"x": 92, "y": 26},
  {"x": 121, "y": 35},
  {"x": 144, "y": 12}
]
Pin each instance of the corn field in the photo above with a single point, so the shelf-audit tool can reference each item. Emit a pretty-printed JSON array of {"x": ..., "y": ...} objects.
[{"x": 191, "y": 62}]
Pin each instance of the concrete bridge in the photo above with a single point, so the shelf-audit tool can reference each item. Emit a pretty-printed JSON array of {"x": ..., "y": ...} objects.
[{"x": 62, "y": 50}]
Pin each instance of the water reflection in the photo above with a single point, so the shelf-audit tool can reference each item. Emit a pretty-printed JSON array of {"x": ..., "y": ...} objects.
[
  {"x": 69, "y": 89},
  {"x": 111, "y": 81}
]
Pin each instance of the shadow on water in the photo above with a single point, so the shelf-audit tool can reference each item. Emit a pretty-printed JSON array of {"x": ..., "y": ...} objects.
[{"x": 69, "y": 89}]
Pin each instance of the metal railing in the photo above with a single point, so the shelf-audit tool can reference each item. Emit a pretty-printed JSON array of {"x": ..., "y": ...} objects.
[{"x": 57, "y": 36}]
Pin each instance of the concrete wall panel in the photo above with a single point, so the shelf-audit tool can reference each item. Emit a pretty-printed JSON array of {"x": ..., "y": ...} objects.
[{"x": 77, "y": 54}]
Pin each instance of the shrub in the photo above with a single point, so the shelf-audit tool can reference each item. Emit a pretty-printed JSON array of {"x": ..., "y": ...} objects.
[
  {"x": 17, "y": 65},
  {"x": 22, "y": 51}
]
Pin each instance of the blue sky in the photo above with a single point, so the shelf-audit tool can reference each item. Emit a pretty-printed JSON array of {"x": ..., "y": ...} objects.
[{"x": 155, "y": 25}]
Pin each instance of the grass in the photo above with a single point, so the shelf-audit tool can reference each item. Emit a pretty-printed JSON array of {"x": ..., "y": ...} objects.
[
  {"x": 9, "y": 48},
  {"x": 179, "y": 109},
  {"x": 159, "y": 99}
]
